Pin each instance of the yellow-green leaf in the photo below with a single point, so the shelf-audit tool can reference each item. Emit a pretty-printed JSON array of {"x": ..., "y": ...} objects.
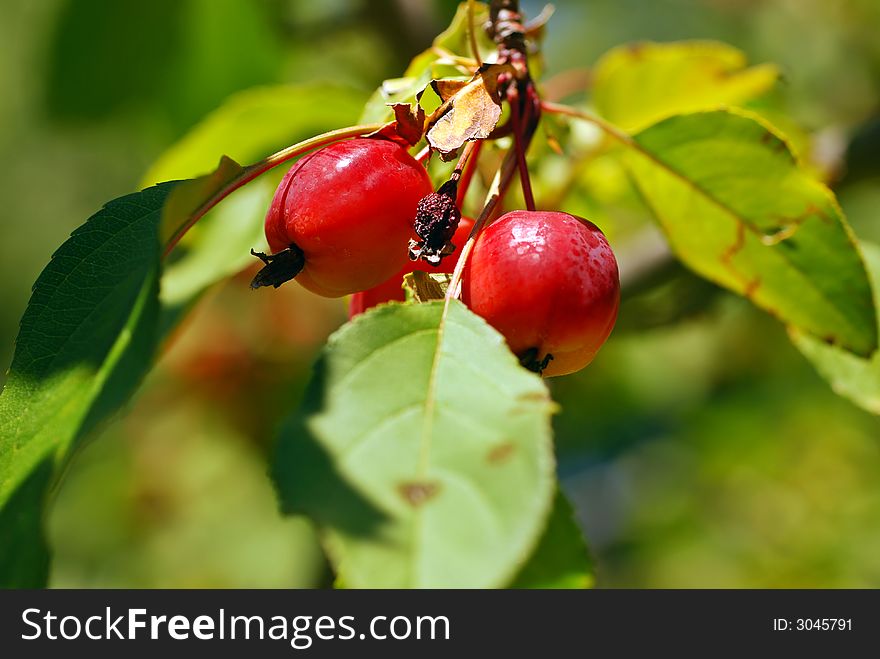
[
  {"x": 638, "y": 84},
  {"x": 432, "y": 64},
  {"x": 253, "y": 124},
  {"x": 739, "y": 211},
  {"x": 851, "y": 376}
]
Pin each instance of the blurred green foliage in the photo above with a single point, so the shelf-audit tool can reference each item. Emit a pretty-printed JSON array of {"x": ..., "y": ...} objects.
[{"x": 698, "y": 451}]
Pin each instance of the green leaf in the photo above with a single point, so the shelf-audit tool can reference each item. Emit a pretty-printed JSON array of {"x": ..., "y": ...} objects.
[
  {"x": 87, "y": 337},
  {"x": 432, "y": 64},
  {"x": 455, "y": 38},
  {"x": 638, "y": 84},
  {"x": 256, "y": 123},
  {"x": 24, "y": 552},
  {"x": 561, "y": 559},
  {"x": 423, "y": 450},
  {"x": 739, "y": 211},
  {"x": 218, "y": 248},
  {"x": 851, "y": 376},
  {"x": 391, "y": 91}
]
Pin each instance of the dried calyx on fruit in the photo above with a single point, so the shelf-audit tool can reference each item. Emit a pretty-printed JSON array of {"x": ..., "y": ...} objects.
[
  {"x": 279, "y": 267},
  {"x": 437, "y": 218}
]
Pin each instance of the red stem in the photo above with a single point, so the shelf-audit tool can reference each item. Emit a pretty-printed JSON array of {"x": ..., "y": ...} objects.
[
  {"x": 467, "y": 172},
  {"x": 517, "y": 120},
  {"x": 423, "y": 155}
]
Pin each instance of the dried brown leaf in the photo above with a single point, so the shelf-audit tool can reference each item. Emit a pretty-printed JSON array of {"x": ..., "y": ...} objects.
[
  {"x": 470, "y": 109},
  {"x": 408, "y": 125}
]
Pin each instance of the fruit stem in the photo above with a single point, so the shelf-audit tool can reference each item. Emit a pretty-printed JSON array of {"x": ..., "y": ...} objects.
[
  {"x": 251, "y": 172},
  {"x": 467, "y": 171},
  {"x": 499, "y": 185},
  {"x": 467, "y": 151},
  {"x": 506, "y": 30},
  {"x": 516, "y": 117}
]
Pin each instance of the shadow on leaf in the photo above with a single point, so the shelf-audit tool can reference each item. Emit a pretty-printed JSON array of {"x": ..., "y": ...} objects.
[{"x": 306, "y": 479}]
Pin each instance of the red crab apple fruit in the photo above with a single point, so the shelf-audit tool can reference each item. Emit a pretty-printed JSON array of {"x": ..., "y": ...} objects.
[
  {"x": 342, "y": 216},
  {"x": 548, "y": 281}
]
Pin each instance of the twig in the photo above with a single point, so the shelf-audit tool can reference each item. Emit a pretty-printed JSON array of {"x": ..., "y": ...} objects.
[
  {"x": 566, "y": 83},
  {"x": 607, "y": 127}
]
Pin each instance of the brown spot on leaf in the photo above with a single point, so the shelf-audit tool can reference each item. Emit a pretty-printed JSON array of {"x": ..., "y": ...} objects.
[
  {"x": 554, "y": 144},
  {"x": 736, "y": 246},
  {"x": 752, "y": 287},
  {"x": 533, "y": 397},
  {"x": 418, "y": 493},
  {"x": 636, "y": 50},
  {"x": 528, "y": 402},
  {"x": 500, "y": 453},
  {"x": 773, "y": 141}
]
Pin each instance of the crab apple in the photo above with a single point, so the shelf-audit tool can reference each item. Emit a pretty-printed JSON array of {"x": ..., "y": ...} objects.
[
  {"x": 342, "y": 217},
  {"x": 392, "y": 289},
  {"x": 548, "y": 281}
]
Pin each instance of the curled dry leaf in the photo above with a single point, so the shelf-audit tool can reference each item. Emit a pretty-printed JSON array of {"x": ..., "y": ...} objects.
[
  {"x": 407, "y": 127},
  {"x": 470, "y": 109}
]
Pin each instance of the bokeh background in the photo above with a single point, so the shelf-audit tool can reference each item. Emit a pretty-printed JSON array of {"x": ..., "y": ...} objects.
[{"x": 700, "y": 449}]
